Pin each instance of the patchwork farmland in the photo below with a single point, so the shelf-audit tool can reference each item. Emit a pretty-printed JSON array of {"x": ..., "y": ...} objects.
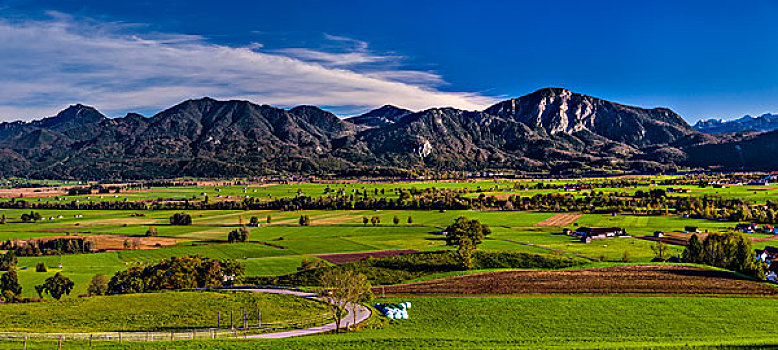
[{"x": 399, "y": 237}]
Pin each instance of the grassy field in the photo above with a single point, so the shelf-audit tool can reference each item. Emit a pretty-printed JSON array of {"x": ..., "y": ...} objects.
[
  {"x": 561, "y": 322},
  {"x": 155, "y": 312}
]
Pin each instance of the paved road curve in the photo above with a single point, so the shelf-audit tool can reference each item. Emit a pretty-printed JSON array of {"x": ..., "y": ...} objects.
[{"x": 363, "y": 313}]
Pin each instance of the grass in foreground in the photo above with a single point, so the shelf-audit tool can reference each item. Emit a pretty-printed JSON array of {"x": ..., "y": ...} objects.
[
  {"x": 155, "y": 311},
  {"x": 531, "y": 322}
]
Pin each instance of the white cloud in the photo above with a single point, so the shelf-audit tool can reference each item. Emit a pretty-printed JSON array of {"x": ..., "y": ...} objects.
[{"x": 46, "y": 65}]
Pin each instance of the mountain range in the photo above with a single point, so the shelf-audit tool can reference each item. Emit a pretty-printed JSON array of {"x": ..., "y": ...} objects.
[
  {"x": 551, "y": 130},
  {"x": 762, "y": 123}
]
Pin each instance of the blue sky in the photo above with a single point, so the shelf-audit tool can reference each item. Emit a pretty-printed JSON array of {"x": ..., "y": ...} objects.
[{"x": 700, "y": 58}]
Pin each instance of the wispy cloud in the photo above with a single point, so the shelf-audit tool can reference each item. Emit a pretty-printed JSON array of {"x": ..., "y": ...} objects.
[{"x": 48, "y": 64}]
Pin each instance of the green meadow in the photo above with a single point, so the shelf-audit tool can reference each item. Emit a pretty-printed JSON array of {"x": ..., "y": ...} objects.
[{"x": 558, "y": 322}]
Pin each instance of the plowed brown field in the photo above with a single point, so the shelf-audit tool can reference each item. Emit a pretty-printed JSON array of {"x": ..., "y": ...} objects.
[
  {"x": 608, "y": 280},
  {"x": 560, "y": 220}
]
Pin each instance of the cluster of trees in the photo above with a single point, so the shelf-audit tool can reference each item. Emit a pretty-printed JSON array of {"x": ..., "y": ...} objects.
[
  {"x": 239, "y": 235},
  {"x": 10, "y": 289},
  {"x": 176, "y": 273},
  {"x": 181, "y": 219},
  {"x": 8, "y": 260},
  {"x": 56, "y": 286},
  {"x": 77, "y": 191},
  {"x": 716, "y": 208},
  {"x": 730, "y": 250},
  {"x": 31, "y": 217},
  {"x": 38, "y": 247},
  {"x": 305, "y": 220}
]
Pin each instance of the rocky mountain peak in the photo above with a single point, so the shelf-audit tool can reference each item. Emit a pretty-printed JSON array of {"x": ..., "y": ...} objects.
[{"x": 73, "y": 116}]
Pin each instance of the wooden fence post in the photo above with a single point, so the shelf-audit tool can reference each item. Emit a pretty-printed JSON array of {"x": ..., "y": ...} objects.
[
  {"x": 120, "y": 337},
  {"x": 171, "y": 335},
  {"x": 245, "y": 319},
  {"x": 259, "y": 318},
  {"x": 218, "y": 319},
  {"x": 90, "y": 340},
  {"x": 232, "y": 324},
  {"x": 59, "y": 343}
]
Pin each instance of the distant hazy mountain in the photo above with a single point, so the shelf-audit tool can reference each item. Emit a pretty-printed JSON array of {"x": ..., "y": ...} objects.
[
  {"x": 550, "y": 130},
  {"x": 380, "y": 117},
  {"x": 762, "y": 123}
]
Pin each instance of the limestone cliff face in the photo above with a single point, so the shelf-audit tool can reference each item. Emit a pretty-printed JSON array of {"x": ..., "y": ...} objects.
[{"x": 560, "y": 111}]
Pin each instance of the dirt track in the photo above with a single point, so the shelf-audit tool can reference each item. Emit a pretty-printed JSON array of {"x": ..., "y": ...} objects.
[{"x": 608, "y": 280}]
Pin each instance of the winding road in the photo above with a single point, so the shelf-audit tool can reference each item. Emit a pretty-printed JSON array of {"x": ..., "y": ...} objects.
[{"x": 362, "y": 314}]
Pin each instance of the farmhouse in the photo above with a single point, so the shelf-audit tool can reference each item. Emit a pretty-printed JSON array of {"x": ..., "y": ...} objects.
[
  {"x": 588, "y": 234},
  {"x": 659, "y": 234},
  {"x": 746, "y": 228},
  {"x": 691, "y": 229},
  {"x": 773, "y": 175},
  {"x": 678, "y": 190},
  {"x": 766, "y": 255}
]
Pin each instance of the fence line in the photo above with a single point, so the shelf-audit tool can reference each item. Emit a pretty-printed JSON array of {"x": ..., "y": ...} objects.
[{"x": 180, "y": 334}]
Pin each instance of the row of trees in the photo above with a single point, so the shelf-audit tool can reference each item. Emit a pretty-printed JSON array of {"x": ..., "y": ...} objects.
[{"x": 38, "y": 247}]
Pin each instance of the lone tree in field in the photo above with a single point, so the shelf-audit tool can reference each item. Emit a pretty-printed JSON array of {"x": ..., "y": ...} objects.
[
  {"x": 305, "y": 220},
  {"x": 375, "y": 220},
  {"x": 467, "y": 234},
  {"x": 151, "y": 232},
  {"x": 56, "y": 286},
  {"x": 181, "y": 219},
  {"x": 396, "y": 220},
  {"x": 365, "y": 220},
  {"x": 660, "y": 249},
  {"x": 98, "y": 285},
  {"x": 410, "y": 219},
  {"x": 344, "y": 290}
]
